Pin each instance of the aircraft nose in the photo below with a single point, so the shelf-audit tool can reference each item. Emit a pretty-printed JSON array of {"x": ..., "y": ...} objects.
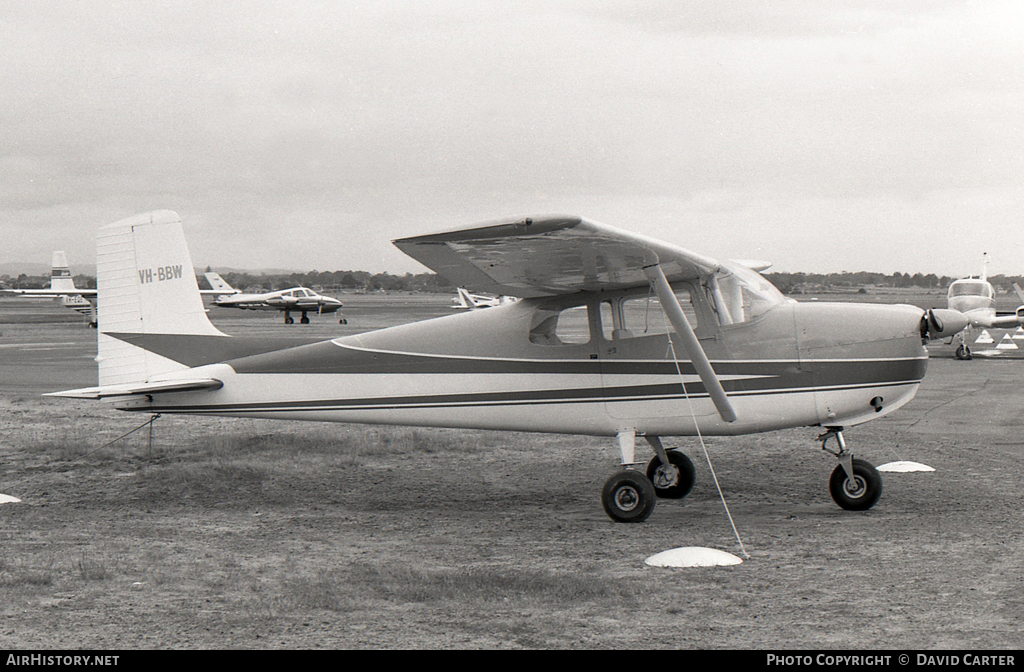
[{"x": 941, "y": 323}]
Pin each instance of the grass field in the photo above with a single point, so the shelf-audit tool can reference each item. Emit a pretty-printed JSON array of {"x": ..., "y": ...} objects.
[{"x": 224, "y": 533}]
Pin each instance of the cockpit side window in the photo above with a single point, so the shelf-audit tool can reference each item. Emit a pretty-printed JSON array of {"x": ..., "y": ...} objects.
[
  {"x": 641, "y": 315},
  {"x": 560, "y": 326}
]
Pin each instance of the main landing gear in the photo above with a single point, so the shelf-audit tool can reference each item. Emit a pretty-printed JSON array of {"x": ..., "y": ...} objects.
[
  {"x": 288, "y": 319},
  {"x": 855, "y": 484},
  {"x": 629, "y": 496}
]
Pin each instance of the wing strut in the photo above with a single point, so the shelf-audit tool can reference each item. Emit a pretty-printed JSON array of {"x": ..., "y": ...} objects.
[{"x": 674, "y": 313}]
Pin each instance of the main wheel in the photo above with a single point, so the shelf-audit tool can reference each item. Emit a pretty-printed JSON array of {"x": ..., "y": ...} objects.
[
  {"x": 963, "y": 352},
  {"x": 304, "y": 319},
  {"x": 628, "y": 497},
  {"x": 860, "y": 494},
  {"x": 289, "y": 320},
  {"x": 674, "y": 481}
]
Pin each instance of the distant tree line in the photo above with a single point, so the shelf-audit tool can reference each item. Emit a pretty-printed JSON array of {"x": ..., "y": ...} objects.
[
  {"x": 356, "y": 281},
  {"x": 796, "y": 283},
  {"x": 24, "y": 281},
  {"x": 339, "y": 281}
]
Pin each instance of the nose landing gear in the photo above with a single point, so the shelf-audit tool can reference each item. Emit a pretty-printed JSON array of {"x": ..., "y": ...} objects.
[{"x": 855, "y": 484}]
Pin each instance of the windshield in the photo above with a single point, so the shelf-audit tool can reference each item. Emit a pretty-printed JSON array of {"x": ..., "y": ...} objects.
[
  {"x": 739, "y": 294},
  {"x": 975, "y": 288}
]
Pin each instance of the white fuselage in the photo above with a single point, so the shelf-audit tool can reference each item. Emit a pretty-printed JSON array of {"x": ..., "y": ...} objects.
[
  {"x": 795, "y": 365},
  {"x": 297, "y": 299}
]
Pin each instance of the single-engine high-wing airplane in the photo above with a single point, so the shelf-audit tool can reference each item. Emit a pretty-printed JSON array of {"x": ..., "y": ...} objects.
[
  {"x": 296, "y": 299},
  {"x": 468, "y": 301},
  {"x": 616, "y": 335},
  {"x": 62, "y": 288},
  {"x": 975, "y": 298}
]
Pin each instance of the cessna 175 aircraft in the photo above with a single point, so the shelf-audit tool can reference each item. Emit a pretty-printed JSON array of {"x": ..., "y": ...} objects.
[
  {"x": 296, "y": 299},
  {"x": 62, "y": 288},
  {"x": 975, "y": 298},
  {"x": 616, "y": 335}
]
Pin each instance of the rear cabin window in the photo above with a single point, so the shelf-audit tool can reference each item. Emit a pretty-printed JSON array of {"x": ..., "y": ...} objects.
[
  {"x": 565, "y": 326},
  {"x": 636, "y": 316}
]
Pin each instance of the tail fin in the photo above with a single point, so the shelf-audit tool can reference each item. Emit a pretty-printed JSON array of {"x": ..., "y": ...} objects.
[
  {"x": 146, "y": 285},
  {"x": 219, "y": 284},
  {"x": 60, "y": 274}
]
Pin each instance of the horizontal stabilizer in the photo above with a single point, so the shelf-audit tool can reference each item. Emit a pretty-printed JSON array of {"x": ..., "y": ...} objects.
[{"x": 130, "y": 389}]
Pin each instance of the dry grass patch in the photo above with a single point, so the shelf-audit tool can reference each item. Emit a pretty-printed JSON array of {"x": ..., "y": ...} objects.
[{"x": 494, "y": 584}]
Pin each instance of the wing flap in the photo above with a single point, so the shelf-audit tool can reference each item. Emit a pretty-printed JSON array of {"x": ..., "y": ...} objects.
[{"x": 550, "y": 255}]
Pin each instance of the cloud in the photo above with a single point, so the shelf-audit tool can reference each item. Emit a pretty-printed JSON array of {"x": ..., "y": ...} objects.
[{"x": 309, "y": 134}]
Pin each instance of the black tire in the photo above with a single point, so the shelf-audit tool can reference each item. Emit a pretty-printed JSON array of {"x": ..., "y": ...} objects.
[
  {"x": 963, "y": 352},
  {"x": 628, "y": 497},
  {"x": 289, "y": 320},
  {"x": 672, "y": 483},
  {"x": 343, "y": 321},
  {"x": 304, "y": 320},
  {"x": 867, "y": 492}
]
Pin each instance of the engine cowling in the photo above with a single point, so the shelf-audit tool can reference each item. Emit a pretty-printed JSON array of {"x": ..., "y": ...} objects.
[{"x": 939, "y": 323}]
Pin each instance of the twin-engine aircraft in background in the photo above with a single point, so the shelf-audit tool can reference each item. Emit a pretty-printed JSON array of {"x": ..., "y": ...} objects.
[
  {"x": 975, "y": 298},
  {"x": 62, "y": 288},
  {"x": 294, "y": 300},
  {"x": 615, "y": 335}
]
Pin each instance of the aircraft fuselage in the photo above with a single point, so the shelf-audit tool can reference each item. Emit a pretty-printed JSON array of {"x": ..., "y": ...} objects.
[{"x": 794, "y": 365}]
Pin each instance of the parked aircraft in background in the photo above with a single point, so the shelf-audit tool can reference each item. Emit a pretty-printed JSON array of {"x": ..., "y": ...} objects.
[
  {"x": 975, "y": 298},
  {"x": 617, "y": 335},
  {"x": 218, "y": 285},
  {"x": 294, "y": 300},
  {"x": 62, "y": 288},
  {"x": 467, "y": 301}
]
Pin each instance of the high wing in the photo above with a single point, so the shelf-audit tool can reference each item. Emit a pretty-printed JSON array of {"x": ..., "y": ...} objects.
[
  {"x": 560, "y": 254},
  {"x": 550, "y": 255}
]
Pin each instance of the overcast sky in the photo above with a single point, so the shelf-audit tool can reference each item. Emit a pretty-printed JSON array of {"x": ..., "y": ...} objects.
[{"x": 833, "y": 136}]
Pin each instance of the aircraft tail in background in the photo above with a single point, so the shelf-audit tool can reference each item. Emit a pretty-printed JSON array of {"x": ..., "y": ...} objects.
[
  {"x": 219, "y": 285},
  {"x": 60, "y": 274}
]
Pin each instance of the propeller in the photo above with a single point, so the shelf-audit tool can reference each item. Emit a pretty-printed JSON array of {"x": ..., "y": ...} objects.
[{"x": 937, "y": 323}]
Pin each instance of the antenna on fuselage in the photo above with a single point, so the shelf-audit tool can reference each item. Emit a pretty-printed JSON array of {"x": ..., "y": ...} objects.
[{"x": 984, "y": 266}]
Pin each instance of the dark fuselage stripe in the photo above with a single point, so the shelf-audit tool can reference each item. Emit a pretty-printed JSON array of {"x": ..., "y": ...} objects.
[{"x": 562, "y": 396}]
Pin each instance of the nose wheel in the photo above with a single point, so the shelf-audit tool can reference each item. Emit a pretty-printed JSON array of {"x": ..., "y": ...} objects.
[
  {"x": 963, "y": 351},
  {"x": 855, "y": 484}
]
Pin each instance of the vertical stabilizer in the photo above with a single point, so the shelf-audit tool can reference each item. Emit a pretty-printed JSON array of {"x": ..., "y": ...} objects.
[
  {"x": 146, "y": 285},
  {"x": 219, "y": 284},
  {"x": 60, "y": 274}
]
